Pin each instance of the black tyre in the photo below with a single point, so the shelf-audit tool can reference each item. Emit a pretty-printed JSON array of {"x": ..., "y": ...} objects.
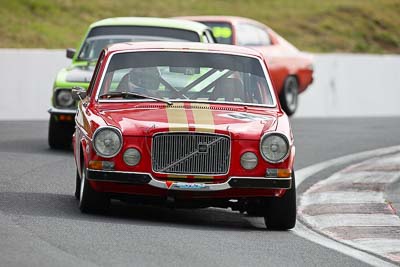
[
  {"x": 77, "y": 186},
  {"x": 60, "y": 134},
  {"x": 280, "y": 213},
  {"x": 256, "y": 207},
  {"x": 289, "y": 95},
  {"x": 91, "y": 201}
]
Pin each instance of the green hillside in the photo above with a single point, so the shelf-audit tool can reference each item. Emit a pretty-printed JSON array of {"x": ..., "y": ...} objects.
[{"x": 371, "y": 26}]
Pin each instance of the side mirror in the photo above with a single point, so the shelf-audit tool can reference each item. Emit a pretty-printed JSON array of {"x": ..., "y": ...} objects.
[
  {"x": 70, "y": 52},
  {"x": 78, "y": 93}
]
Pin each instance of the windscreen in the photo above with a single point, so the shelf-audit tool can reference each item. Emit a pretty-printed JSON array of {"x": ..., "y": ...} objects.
[
  {"x": 186, "y": 76},
  {"x": 100, "y": 37},
  {"x": 222, "y": 31}
]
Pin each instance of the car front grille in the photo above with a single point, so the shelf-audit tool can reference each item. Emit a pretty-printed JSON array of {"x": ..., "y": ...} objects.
[{"x": 191, "y": 153}]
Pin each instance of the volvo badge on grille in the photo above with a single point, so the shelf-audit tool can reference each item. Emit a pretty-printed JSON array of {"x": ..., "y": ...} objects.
[{"x": 203, "y": 148}]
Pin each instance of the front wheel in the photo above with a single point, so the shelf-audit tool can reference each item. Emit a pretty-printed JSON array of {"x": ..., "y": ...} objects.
[
  {"x": 90, "y": 201},
  {"x": 280, "y": 213},
  {"x": 289, "y": 95},
  {"x": 60, "y": 133}
]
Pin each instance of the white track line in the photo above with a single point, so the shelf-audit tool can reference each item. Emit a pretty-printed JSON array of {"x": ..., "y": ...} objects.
[
  {"x": 342, "y": 198},
  {"x": 305, "y": 173},
  {"x": 362, "y": 177},
  {"x": 304, "y": 232},
  {"x": 339, "y": 220},
  {"x": 362, "y": 256},
  {"x": 377, "y": 245}
]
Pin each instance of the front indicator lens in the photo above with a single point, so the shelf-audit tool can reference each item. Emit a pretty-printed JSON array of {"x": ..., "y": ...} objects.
[
  {"x": 274, "y": 147},
  {"x": 101, "y": 165},
  {"x": 280, "y": 173},
  {"x": 249, "y": 160},
  {"x": 107, "y": 142},
  {"x": 132, "y": 157},
  {"x": 65, "y": 117}
]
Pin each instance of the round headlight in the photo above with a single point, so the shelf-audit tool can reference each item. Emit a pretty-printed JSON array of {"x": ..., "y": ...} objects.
[
  {"x": 249, "y": 160},
  {"x": 107, "y": 142},
  {"x": 132, "y": 156},
  {"x": 274, "y": 147},
  {"x": 64, "y": 98}
]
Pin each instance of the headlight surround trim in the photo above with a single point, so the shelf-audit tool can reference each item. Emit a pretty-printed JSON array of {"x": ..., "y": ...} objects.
[
  {"x": 102, "y": 129},
  {"x": 285, "y": 139}
]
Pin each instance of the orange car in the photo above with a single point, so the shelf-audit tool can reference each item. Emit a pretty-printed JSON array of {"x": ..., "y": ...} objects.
[{"x": 291, "y": 70}]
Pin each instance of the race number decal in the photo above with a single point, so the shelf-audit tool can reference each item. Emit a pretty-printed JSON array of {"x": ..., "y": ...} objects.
[{"x": 245, "y": 116}]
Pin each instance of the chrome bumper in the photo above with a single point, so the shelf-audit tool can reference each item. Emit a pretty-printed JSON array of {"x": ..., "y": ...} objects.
[
  {"x": 53, "y": 110},
  {"x": 136, "y": 178}
]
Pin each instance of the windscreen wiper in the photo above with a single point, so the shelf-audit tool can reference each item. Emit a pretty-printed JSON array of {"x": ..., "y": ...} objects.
[
  {"x": 173, "y": 89},
  {"x": 132, "y": 94}
]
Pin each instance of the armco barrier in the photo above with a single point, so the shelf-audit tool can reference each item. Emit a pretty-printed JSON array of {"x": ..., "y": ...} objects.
[
  {"x": 27, "y": 76},
  {"x": 348, "y": 85},
  {"x": 345, "y": 84}
]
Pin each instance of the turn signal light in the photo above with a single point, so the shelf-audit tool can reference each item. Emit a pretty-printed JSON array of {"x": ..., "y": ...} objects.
[
  {"x": 101, "y": 165},
  {"x": 66, "y": 118},
  {"x": 280, "y": 173}
]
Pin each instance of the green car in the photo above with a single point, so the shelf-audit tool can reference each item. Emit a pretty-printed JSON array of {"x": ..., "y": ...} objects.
[{"x": 99, "y": 35}]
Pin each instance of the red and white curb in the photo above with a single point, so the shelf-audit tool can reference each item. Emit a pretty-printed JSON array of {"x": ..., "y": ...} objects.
[{"x": 350, "y": 207}]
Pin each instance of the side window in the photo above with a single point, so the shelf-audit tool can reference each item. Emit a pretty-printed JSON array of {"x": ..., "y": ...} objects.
[
  {"x": 95, "y": 73},
  {"x": 251, "y": 35},
  {"x": 245, "y": 35},
  {"x": 264, "y": 36}
]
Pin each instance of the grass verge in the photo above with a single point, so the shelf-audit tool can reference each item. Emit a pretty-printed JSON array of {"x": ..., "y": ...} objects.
[{"x": 365, "y": 26}]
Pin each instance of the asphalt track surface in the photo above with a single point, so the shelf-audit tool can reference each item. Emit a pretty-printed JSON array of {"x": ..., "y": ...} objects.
[{"x": 40, "y": 223}]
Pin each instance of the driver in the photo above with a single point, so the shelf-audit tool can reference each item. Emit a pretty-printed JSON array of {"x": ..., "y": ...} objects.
[{"x": 145, "y": 81}]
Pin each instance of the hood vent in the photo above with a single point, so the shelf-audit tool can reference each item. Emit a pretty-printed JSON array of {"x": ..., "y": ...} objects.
[
  {"x": 193, "y": 106},
  {"x": 152, "y": 106}
]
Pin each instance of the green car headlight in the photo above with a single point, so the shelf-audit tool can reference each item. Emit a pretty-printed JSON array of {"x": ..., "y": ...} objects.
[
  {"x": 64, "y": 98},
  {"x": 274, "y": 147},
  {"x": 107, "y": 142}
]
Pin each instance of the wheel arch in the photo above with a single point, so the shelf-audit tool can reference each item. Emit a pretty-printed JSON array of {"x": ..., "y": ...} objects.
[{"x": 83, "y": 156}]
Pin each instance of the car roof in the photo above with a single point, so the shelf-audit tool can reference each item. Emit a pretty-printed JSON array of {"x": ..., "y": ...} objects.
[
  {"x": 151, "y": 22},
  {"x": 217, "y": 18},
  {"x": 184, "y": 46}
]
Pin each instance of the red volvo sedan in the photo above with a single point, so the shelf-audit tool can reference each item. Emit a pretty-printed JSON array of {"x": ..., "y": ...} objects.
[
  {"x": 186, "y": 125},
  {"x": 291, "y": 70}
]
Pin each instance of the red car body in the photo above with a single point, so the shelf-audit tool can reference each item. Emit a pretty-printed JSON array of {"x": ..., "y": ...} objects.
[
  {"x": 283, "y": 59},
  {"x": 140, "y": 122}
]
